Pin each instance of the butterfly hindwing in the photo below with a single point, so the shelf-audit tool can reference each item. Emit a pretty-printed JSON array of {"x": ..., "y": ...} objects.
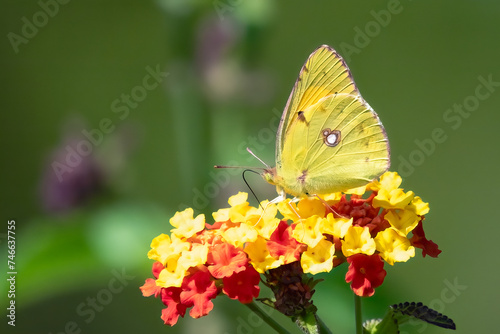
[{"x": 356, "y": 153}]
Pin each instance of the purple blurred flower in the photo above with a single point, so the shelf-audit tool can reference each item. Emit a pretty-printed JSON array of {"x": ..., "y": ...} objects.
[{"x": 64, "y": 189}]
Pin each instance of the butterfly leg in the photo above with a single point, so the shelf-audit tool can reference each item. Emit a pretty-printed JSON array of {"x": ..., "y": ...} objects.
[
  {"x": 280, "y": 198},
  {"x": 293, "y": 208},
  {"x": 328, "y": 207}
]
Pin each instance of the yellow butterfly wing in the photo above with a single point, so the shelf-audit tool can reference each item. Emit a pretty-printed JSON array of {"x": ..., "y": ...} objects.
[
  {"x": 329, "y": 138},
  {"x": 324, "y": 73}
]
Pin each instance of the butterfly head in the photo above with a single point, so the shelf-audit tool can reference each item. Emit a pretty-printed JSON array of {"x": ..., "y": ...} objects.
[{"x": 271, "y": 176}]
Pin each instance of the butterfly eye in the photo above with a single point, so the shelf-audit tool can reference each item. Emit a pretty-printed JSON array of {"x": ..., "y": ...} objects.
[{"x": 331, "y": 137}]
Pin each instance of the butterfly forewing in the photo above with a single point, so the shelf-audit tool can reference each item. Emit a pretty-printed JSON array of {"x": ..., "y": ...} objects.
[{"x": 324, "y": 73}]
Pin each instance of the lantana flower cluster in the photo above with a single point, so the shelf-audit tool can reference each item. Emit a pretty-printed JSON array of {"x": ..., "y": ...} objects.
[{"x": 366, "y": 227}]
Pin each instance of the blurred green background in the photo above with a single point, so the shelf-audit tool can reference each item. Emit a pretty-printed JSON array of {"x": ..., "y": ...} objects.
[{"x": 224, "y": 70}]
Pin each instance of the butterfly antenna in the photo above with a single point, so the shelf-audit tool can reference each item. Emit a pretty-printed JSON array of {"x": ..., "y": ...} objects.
[
  {"x": 256, "y": 157},
  {"x": 246, "y": 167},
  {"x": 251, "y": 190},
  {"x": 329, "y": 207}
]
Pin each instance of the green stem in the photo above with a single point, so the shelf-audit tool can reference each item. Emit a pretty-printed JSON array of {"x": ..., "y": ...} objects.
[
  {"x": 357, "y": 314},
  {"x": 277, "y": 327}
]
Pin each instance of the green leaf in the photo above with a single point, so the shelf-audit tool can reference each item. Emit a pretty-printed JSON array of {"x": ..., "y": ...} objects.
[
  {"x": 401, "y": 313},
  {"x": 80, "y": 250},
  {"x": 420, "y": 311},
  {"x": 388, "y": 325},
  {"x": 307, "y": 323},
  {"x": 266, "y": 301}
]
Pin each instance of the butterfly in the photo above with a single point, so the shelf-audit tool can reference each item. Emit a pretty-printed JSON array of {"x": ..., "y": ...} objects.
[{"x": 329, "y": 139}]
